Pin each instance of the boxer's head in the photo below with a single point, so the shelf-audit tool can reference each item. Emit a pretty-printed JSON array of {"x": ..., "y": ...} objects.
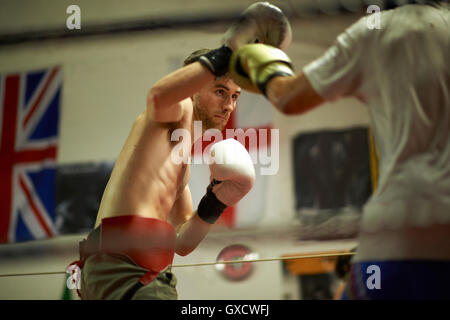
[{"x": 214, "y": 103}]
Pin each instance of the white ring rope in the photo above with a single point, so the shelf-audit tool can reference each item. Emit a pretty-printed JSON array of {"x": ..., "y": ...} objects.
[{"x": 305, "y": 256}]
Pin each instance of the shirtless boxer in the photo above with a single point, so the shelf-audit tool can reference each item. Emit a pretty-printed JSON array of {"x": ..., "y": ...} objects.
[
  {"x": 146, "y": 213},
  {"x": 401, "y": 72}
]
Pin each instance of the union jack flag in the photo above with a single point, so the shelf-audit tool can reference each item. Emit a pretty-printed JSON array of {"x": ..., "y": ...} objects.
[{"x": 29, "y": 118}]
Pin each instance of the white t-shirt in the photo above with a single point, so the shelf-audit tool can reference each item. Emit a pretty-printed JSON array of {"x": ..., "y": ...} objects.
[{"x": 402, "y": 73}]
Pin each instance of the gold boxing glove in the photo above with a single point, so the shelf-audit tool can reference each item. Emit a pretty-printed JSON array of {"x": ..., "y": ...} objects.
[{"x": 254, "y": 65}]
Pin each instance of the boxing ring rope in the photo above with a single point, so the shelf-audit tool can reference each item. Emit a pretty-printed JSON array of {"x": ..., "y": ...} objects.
[
  {"x": 202, "y": 264},
  {"x": 320, "y": 255}
]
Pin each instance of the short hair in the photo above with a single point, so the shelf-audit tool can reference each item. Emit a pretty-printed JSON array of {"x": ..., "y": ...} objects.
[{"x": 194, "y": 56}]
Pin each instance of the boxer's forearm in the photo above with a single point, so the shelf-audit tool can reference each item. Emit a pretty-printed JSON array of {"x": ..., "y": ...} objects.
[
  {"x": 165, "y": 96},
  {"x": 190, "y": 234},
  {"x": 293, "y": 95}
]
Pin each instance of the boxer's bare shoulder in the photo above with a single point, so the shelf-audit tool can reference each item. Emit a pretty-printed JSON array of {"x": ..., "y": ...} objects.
[{"x": 145, "y": 181}]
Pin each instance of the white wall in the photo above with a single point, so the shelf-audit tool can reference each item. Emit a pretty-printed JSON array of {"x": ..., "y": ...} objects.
[{"x": 105, "y": 81}]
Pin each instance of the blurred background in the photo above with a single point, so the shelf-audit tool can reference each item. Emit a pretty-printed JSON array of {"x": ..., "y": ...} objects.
[{"x": 70, "y": 95}]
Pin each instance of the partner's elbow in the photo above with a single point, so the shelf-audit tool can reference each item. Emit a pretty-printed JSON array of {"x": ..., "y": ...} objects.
[
  {"x": 279, "y": 93},
  {"x": 297, "y": 103},
  {"x": 288, "y": 109},
  {"x": 293, "y": 95},
  {"x": 183, "y": 251},
  {"x": 293, "y": 107},
  {"x": 283, "y": 105}
]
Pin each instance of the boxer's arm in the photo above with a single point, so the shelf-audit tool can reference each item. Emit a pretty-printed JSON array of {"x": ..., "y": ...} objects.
[
  {"x": 190, "y": 234},
  {"x": 190, "y": 228},
  {"x": 165, "y": 98}
]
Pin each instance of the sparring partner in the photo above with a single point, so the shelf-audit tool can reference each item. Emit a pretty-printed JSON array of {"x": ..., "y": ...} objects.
[
  {"x": 402, "y": 73},
  {"x": 146, "y": 213}
]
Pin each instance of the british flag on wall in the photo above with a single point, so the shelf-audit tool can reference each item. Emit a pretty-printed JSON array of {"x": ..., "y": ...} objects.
[{"x": 29, "y": 119}]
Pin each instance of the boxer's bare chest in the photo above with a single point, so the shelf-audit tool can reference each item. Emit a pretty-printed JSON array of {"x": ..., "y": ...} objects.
[
  {"x": 183, "y": 169},
  {"x": 184, "y": 175}
]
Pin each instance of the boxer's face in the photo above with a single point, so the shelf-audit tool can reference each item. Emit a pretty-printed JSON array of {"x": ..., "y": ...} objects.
[{"x": 214, "y": 104}]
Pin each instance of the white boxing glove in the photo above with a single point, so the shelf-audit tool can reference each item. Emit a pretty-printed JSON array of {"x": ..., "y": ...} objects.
[{"x": 232, "y": 177}]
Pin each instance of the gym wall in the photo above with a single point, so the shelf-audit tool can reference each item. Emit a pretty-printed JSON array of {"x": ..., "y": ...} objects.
[{"x": 105, "y": 81}]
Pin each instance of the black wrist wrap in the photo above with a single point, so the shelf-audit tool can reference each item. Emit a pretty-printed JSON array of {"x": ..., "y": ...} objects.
[
  {"x": 210, "y": 208},
  {"x": 217, "y": 60}
]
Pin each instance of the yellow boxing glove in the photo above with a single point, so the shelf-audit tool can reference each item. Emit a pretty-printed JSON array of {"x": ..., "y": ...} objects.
[{"x": 252, "y": 66}]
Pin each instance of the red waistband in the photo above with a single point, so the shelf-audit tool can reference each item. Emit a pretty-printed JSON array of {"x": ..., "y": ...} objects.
[{"x": 149, "y": 242}]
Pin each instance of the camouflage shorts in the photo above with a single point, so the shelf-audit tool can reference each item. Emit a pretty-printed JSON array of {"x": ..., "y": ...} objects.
[{"x": 114, "y": 276}]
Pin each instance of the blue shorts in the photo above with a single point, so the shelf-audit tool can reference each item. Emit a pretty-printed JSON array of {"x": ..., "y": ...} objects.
[{"x": 410, "y": 280}]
